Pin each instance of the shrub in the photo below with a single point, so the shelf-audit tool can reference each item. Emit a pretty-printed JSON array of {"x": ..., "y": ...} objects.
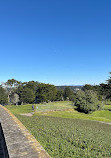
[{"x": 87, "y": 101}]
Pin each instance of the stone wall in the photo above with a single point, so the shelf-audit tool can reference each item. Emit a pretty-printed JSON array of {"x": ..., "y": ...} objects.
[{"x": 20, "y": 143}]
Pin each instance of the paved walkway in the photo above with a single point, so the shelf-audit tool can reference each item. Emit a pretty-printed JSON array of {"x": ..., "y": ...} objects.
[{"x": 20, "y": 143}]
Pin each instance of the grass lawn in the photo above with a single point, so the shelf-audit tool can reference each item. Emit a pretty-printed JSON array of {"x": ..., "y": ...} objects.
[
  {"x": 103, "y": 115},
  {"x": 67, "y": 111},
  {"x": 65, "y": 137},
  {"x": 68, "y": 133},
  {"x": 61, "y": 105}
]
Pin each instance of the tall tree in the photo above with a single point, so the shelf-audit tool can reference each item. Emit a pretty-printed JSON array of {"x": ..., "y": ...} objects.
[
  {"x": 106, "y": 89},
  {"x": 27, "y": 95},
  {"x": 12, "y": 83},
  {"x": 14, "y": 98},
  {"x": 59, "y": 95},
  {"x": 10, "y": 86},
  {"x": 68, "y": 94},
  {"x": 87, "y": 87},
  {"x": 3, "y": 96},
  {"x": 32, "y": 85},
  {"x": 109, "y": 80},
  {"x": 46, "y": 93}
]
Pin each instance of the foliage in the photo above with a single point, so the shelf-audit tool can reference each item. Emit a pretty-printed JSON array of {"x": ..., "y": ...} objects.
[
  {"x": 10, "y": 87},
  {"x": 95, "y": 88},
  {"x": 12, "y": 83},
  {"x": 27, "y": 96},
  {"x": 31, "y": 85},
  {"x": 87, "y": 101},
  {"x": 87, "y": 87},
  {"x": 3, "y": 96},
  {"x": 14, "y": 98},
  {"x": 45, "y": 93},
  {"x": 105, "y": 91},
  {"x": 109, "y": 79},
  {"x": 41, "y": 92},
  {"x": 70, "y": 137},
  {"x": 68, "y": 94},
  {"x": 59, "y": 95}
]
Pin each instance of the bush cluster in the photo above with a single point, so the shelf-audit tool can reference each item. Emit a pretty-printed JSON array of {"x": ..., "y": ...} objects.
[{"x": 87, "y": 101}]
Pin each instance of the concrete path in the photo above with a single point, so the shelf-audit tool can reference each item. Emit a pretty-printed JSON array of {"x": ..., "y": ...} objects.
[{"x": 20, "y": 143}]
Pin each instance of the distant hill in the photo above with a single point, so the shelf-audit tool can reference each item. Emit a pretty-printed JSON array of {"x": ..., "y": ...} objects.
[{"x": 73, "y": 88}]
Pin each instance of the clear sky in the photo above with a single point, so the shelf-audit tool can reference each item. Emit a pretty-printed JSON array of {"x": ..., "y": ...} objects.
[{"x": 61, "y": 42}]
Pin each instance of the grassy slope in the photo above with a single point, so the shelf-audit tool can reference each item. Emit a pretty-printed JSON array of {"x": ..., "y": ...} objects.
[
  {"x": 64, "y": 136},
  {"x": 68, "y": 111},
  {"x": 97, "y": 115},
  {"x": 41, "y": 107}
]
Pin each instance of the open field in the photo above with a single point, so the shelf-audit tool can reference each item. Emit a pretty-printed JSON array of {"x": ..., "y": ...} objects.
[
  {"x": 41, "y": 107},
  {"x": 103, "y": 115},
  {"x": 64, "y": 138},
  {"x": 67, "y": 110},
  {"x": 68, "y": 133}
]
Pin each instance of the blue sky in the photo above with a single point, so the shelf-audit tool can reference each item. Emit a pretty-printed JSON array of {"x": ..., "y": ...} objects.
[{"x": 61, "y": 42}]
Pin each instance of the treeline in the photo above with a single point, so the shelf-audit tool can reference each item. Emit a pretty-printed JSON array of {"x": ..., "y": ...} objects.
[
  {"x": 87, "y": 98},
  {"x": 17, "y": 92},
  {"x": 93, "y": 97}
]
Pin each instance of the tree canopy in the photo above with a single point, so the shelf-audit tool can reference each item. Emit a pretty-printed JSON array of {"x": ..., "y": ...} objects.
[
  {"x": 45, "y": 93},
  {"x": 3, "y": 96},
  {"x": 87, "y": 101}
]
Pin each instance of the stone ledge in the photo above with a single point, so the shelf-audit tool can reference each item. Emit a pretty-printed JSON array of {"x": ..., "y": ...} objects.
[{"x": 20, "y": 142}]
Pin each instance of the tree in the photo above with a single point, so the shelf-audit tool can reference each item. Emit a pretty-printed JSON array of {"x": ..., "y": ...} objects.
[
  {"x": 87, "y": 87},
  {"x": 27, "y": 95},
  {"x": 109, "y": 80},
  {"x": 10, "y": 87},
  {"x": 105, "y": 92},
  {"x": 12, "y": 83},
  {"x": 59, "y": 95},
  {"x": 45, "y": 93},
  {"x": 95, "y": 88},
  {"x": 3, "y": 96},
  {"x": 68, "y": 94},
  {"x": 32, "y": 85},
  {"x": 87, "y": 101},
  {"x": 14, "y": 98}
]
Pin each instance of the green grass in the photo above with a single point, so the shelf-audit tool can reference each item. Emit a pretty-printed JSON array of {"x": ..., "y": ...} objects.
[
  {"x": 69, "y": 111},
  {"x": 74, "y": 138},
  {"x": 97, "y": 115},
  {"x": 62, "y": 105},
  {"x": 103, "y": 115},
  {"x": 20, "y": 109},
  {"x": 68, "y": 133}
]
